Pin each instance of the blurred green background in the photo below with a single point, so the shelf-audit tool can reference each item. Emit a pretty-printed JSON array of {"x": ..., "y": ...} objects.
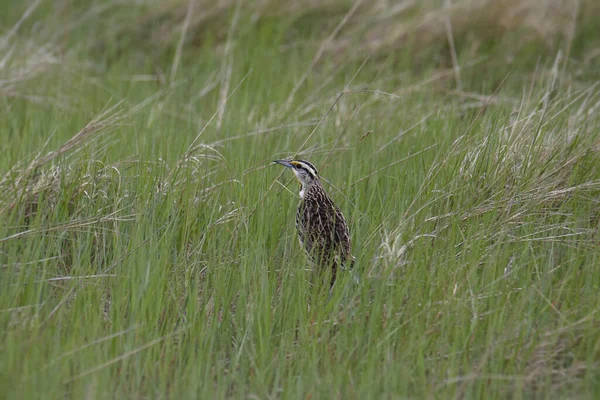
[{"x": 147, "y": 244}]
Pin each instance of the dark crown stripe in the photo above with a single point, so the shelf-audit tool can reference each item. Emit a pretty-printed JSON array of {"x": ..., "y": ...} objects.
[{"x": 305, "y": 165}]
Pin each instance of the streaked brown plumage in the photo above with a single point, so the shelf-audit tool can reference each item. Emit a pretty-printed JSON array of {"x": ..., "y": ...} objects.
[{"x": 322, "y": 229}]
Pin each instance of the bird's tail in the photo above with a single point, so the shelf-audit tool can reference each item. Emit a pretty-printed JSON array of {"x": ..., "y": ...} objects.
[{"x": 352, "y": 260}]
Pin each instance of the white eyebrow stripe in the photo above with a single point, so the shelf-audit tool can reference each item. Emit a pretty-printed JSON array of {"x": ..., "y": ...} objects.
[{"x": 310, "y": 168}]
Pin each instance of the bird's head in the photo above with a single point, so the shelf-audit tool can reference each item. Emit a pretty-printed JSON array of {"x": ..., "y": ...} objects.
[{"x": 305, "y": 172}]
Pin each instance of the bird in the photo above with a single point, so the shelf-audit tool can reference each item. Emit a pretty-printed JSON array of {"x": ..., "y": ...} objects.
[{"x": 321, "y": 226}]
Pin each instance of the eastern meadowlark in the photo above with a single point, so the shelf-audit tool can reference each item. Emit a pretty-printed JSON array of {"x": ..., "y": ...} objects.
[{"x": 322, "y": 229}]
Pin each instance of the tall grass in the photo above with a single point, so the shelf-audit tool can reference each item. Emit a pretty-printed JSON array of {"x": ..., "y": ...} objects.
[{"x": 147, "y": 244}]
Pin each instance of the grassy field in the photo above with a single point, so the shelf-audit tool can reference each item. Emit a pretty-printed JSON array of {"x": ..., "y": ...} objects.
[{"x": 147, "y": 243}]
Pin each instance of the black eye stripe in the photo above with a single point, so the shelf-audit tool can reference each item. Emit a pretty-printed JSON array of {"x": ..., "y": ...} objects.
[
  {"x": 305, "y": 167},
  {"x": 310, "y": 169}
]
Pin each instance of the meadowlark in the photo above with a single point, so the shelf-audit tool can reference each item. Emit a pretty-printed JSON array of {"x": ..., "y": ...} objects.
[{"x": 322, "y": 229}]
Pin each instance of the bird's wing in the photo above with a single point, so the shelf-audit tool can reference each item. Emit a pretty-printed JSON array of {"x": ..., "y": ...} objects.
[{"x": 342, "y": 233}]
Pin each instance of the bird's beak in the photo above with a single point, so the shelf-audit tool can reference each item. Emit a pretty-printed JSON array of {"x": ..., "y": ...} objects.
[{"x": 285, "y": 163}]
